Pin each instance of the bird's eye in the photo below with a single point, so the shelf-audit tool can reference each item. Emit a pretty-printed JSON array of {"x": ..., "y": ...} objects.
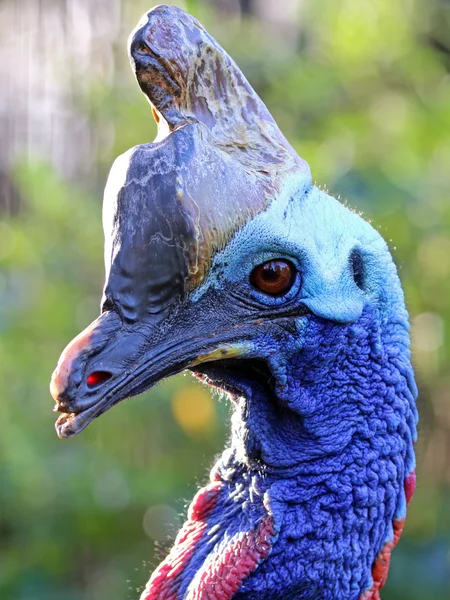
[{"x": 274, "y": 277}]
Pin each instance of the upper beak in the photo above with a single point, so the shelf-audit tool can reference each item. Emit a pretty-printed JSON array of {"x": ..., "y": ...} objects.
[{"x": 109, "y": 361}]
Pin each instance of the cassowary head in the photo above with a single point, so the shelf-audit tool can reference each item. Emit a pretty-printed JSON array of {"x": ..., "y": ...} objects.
[{"x": 222, "y": 257}]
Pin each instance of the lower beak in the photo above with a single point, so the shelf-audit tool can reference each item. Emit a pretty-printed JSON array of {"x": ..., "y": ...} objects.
[{"x": 107, "y": 363}]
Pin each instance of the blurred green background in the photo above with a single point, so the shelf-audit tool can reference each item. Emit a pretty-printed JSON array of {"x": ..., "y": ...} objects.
[{"x": 362, "y": 90}]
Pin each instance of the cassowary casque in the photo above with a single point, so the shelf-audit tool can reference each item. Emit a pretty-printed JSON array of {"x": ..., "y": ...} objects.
[{"x": 222, "y": 257}]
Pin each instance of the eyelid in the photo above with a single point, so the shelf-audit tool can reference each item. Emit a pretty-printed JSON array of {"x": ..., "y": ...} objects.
[{"x": 268, "y": 255}]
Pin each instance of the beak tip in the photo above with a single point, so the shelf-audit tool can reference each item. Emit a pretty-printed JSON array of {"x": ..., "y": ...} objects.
[{"x": 63, "y": 429}]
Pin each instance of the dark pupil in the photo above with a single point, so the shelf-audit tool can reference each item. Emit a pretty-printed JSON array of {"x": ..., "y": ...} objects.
[{"x": 271, "y": 272}]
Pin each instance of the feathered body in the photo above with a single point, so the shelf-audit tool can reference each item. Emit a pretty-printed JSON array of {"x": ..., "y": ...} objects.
[{"x": 222, "y": 257}]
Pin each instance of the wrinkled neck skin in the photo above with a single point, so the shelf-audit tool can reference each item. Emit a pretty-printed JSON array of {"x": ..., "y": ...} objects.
[{"x": 311, "y": 495}]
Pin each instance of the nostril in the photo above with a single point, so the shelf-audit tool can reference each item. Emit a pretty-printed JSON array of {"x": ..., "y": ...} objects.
[{"x": 97, "y": 378}]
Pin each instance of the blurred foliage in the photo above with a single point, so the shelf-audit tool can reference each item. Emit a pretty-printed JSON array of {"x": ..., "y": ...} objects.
[{"x": 362, "y": 90}]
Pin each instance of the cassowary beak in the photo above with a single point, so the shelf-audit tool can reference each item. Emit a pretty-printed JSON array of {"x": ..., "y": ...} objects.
[{"x": 108, "y": 362}]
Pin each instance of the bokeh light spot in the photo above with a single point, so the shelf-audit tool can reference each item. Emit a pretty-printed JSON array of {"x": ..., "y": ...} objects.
[
  {"x": 161, "y": 522},
  {"x": 427, "y": 332},
  {"x": 193, "y": 410},
  {"x": 111, "y": 491},
  {"x": 434, "y": 257}
]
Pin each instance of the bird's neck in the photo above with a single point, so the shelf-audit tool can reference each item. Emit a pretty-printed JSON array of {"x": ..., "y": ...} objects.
[
  {"x": 323, "y": 530},
  {"x": 320, "y": 533},
  {"x": 311, "y": 496}
]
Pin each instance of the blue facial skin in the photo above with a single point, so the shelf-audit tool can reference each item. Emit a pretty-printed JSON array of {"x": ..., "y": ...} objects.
[{"x": 323, "y": 439}]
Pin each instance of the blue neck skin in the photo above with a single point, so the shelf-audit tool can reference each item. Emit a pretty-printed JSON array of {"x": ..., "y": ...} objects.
[{"x": 325, "y": 450}]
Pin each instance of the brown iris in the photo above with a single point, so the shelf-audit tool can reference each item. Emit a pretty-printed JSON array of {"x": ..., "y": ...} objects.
[{"x": 273, "y": 277}]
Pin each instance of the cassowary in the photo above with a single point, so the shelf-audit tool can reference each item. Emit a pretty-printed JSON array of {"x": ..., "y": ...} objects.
[{"x": 223, "y": 258}]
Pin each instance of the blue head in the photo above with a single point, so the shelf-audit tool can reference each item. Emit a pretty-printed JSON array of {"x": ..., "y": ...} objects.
[{"x": 221, "y": 257}]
